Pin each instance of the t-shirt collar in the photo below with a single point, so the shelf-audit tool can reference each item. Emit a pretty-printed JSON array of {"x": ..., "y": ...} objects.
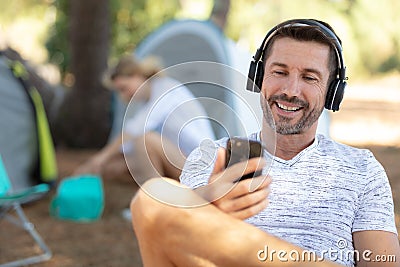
[{"x": 296, "y": 158}]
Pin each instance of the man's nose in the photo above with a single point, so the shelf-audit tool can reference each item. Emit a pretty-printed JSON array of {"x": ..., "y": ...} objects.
[{"x": 292, "y": 86}]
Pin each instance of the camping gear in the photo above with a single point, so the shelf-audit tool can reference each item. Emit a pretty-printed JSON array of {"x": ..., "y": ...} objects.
[
  {"x": 79, "y": 198},
  {"x": 25, "y": 139},
  {"x": 11, "y": 201}
]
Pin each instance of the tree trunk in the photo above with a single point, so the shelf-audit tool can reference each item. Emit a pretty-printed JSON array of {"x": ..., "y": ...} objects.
[
  {"x": 219, "y": 13},
  {"x": 84, "y": 118}
]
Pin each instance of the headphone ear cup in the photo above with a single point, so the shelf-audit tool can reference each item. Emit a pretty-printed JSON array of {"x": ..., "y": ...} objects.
[
  {"x": 329, "y": 94},
  {"x": 338, "y": 96},
  {"x": 335, "y": 94},
  {"x": 259, "y": 76},
  {"x": 250, "y": 76}
]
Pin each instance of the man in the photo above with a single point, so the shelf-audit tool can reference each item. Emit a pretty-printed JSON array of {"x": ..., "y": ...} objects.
[{"x": 324, "y": 196}]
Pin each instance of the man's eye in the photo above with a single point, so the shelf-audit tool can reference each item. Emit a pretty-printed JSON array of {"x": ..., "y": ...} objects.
[
  {"x": 278, "y": 72},
  {"x": 310, "y": 78}
]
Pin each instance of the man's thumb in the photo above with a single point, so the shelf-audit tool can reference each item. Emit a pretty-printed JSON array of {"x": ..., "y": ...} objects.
[{"x": 219, "y": 165}]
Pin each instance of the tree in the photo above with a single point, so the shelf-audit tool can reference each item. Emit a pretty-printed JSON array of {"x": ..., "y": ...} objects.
[
  {"x": 97, "y": 31},
  {"x": 84, "y": 117},
  {"x": 219, "y": 13}
]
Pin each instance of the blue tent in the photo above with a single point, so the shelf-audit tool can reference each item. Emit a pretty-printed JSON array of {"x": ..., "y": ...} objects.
[
  {"x": 18, "y": 137},
  {"x": 26, "y": 145}
]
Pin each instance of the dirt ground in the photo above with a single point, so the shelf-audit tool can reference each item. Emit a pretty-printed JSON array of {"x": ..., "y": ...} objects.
[{"x": 111, "y": 241}]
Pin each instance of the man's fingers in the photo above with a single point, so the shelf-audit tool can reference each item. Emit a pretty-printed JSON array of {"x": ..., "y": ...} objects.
[
  {"x": 221, "y": 183},
  {"x": 219, "y": 165},
  {"x": 228, "y": 190},
  {"x": 240, "y": 169},
  {"x": 243, "y": 188},
  {"x": 251, "y": 211},
  {"x": 245, "y": 201}
]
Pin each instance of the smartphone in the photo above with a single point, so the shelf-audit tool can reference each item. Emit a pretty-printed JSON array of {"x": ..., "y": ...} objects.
[{"x": 240, "y": 149}]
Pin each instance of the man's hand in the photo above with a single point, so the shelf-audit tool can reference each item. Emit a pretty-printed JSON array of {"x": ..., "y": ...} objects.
[{"x": 241, "y": 199}]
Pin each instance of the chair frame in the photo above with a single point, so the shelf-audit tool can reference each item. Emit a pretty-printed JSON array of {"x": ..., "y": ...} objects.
[
  {"x": 22, "y": 221},
  {"x": 11, "y": 201}
]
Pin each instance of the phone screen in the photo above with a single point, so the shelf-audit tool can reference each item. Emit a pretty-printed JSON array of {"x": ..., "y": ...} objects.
[{"x": 240, "y": 149}]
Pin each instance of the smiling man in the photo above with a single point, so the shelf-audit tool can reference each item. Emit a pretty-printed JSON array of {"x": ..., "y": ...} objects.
[
  {"x": 295, "y": 85},
  {"x": 315, "y": 196},
  {"x": 323, "y": 195}
]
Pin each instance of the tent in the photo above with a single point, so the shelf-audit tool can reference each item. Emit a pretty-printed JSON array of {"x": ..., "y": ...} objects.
[{"x": 25, "y": 141}]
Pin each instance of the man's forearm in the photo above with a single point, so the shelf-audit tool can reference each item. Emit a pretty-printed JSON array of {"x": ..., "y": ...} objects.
[{"x": 201, "y": 236}]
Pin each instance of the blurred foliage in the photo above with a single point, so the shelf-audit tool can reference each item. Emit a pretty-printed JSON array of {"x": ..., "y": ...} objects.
[
  {"x": 57, "y": 42},
  {"x": 131, "y": 21},
  {"x": 23, "y": 26},
  {"x": 368, "y": 29},
  {"x": 10, "y": 10},
  {"x": 374, "y": 26}
]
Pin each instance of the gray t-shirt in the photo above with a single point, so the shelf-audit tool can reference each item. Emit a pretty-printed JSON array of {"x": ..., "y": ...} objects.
[{"x": 318, "y": 198}]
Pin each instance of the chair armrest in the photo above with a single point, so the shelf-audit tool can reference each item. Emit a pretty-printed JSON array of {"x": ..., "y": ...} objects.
[{"x": 37, "y": 189}]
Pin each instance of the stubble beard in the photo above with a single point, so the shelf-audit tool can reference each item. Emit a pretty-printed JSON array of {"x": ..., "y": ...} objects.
[{"x": 283, "y": 124}]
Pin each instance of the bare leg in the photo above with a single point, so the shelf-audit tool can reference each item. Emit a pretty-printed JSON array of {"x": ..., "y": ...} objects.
[
  {"x": 155, "y": 157},
  {"x": 203, "y": 236}
]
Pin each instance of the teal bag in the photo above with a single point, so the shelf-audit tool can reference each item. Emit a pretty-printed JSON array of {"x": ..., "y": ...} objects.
[{"x": 79, "y": 198}]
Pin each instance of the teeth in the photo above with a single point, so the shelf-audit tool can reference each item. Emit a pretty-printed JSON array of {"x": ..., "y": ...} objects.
[{"x": 287, "y": 108}]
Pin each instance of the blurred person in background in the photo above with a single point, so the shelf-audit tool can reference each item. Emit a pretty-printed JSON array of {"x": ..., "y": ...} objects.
[{"x": 167, "y": 124}]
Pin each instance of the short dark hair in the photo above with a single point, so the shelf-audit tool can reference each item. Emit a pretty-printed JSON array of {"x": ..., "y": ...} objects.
[{"x": 307, "y": 33}]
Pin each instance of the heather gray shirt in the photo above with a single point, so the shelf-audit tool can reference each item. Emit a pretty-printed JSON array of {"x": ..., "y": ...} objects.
[{"x": 318, "y": 198}]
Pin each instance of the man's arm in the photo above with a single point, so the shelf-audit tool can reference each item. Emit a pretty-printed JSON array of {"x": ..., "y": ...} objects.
[
  {"x": 376, "y": 211},
  {"x": 202, "y": 236},
  {"x": 376, "y": 248},
  {"x": 177, "y": 227}
]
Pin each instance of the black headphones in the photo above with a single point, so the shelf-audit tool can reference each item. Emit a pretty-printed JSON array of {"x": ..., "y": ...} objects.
[{"x": 335, "y": 90}]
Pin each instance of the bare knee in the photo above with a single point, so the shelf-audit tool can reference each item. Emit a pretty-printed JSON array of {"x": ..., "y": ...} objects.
[
  {"x": 143, "y": 206},
  {"x": 155, "y": 204},
  {"x": 145, "y": 213}
]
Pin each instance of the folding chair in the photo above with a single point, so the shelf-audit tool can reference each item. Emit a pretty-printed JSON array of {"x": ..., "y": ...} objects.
[{"x": 10, "y": 201}]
